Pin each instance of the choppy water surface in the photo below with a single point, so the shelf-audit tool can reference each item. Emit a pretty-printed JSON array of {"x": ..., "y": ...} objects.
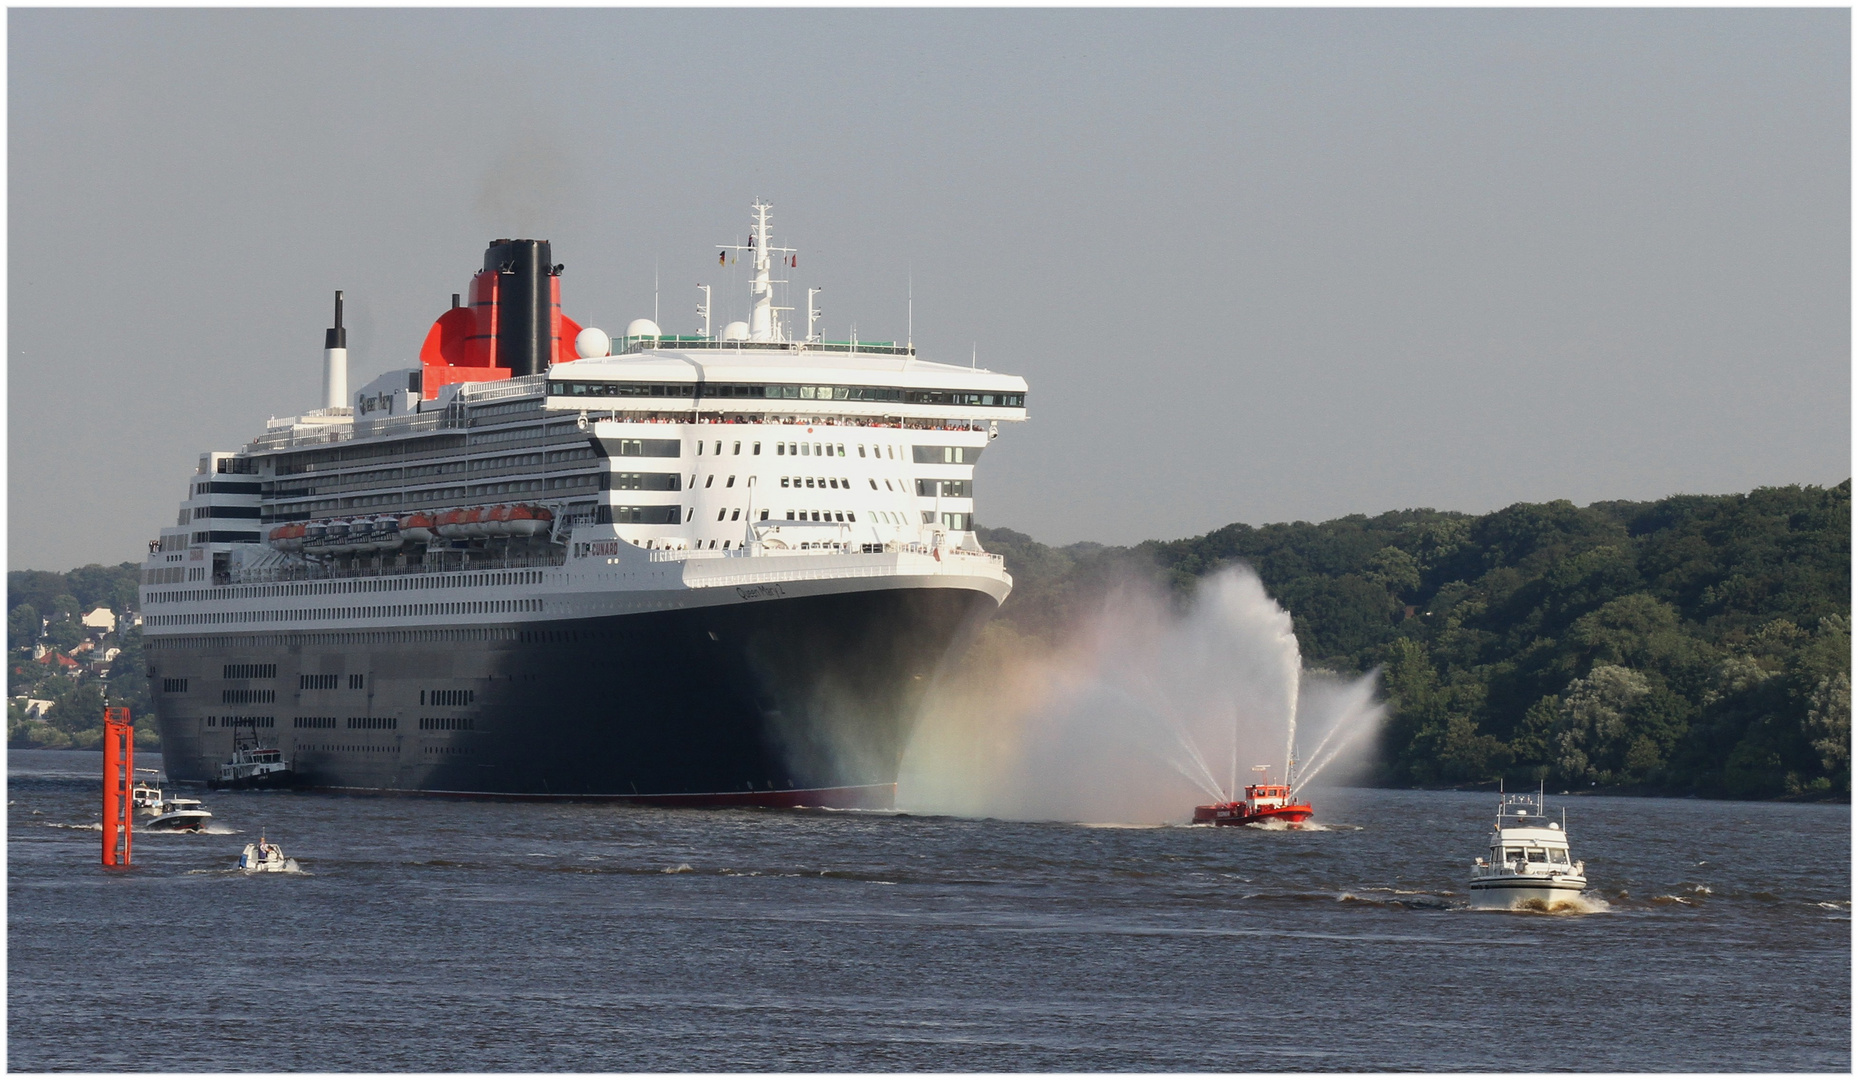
[{"x": 490, "y": 936}]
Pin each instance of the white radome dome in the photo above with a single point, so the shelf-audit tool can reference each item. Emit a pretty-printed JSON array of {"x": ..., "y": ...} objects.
[
  {"x": 736, "y": 331},
  {"x": 643, "y": 328},
  {"x": 592, "y": 342}
]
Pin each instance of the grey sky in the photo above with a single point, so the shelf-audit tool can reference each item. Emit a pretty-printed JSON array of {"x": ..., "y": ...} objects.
[{"x": 1257, "y": 265}]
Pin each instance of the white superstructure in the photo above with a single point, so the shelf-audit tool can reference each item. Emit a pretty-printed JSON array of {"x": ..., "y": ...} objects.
[{"x": 792, "y": 460}]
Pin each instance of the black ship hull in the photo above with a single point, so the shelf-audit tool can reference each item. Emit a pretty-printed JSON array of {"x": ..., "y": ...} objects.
[{"x": 794, "y": 700}]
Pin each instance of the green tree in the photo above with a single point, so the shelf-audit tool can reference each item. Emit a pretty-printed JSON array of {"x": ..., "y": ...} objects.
[{"x": 23, "y": 626}]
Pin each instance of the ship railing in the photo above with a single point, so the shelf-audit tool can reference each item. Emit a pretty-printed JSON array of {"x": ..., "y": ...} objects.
[
  {"x": 681, "y": 342},
  {"x": 521, "y": 386},
  {"x": 693, "y": 555},
  {"x": 284, "y": 440},
  {"x": 709, "y": 416}
]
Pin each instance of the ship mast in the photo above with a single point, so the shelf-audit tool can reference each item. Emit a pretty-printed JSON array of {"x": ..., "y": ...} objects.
[{"x": 764, "y": 319}]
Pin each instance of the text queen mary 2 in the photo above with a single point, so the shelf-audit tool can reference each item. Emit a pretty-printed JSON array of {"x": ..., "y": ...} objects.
[{"x": 707, "y": 569}]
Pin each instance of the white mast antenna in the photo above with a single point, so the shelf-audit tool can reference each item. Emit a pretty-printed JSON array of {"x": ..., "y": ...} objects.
[
  {"x": 812, "y": 313},
  {"x": 763, "y": 320},
  {"x": 655, "y": 291},
  {"x": 703, "y": 309},
  {"x": 909, "y": 308}
]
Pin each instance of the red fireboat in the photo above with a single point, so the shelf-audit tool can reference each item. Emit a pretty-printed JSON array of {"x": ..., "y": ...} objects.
[{"x": 1263, "y": 802}]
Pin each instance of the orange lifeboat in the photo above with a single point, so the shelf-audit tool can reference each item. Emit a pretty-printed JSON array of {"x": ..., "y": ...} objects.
[
  {"x": 287, "y": 537},
  {"x": 496, "y": 520},
  {"x": 529, "y": 520},
  {"x": 417, "y": 528},
  {"x": 475, "y": 522},
  {"x": 451, "y": 523}
]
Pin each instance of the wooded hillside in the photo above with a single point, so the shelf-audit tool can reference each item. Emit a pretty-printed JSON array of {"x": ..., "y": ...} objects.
[{"x": 1697, "y": 644}]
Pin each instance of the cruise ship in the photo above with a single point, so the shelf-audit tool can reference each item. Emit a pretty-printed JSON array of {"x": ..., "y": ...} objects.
[{"x": 548, "y": 562}]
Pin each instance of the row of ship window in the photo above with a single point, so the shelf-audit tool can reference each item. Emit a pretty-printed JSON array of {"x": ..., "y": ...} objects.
[
  {"x": 390, "y": 583},
  {"x": 384, "y": 611},
  {"x": 612, "y": 482},
  {"x": 324, "y": 460},
  {"x": 670, "y": 515},
  {"x": 953, "y": 455},
  {"x": 353, "y": 723},
  {"x": 788, "y": 392},
  {"x": 356, "y": 681}
]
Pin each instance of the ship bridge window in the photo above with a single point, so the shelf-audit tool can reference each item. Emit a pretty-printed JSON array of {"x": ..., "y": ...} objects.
[
  {"x": 644, "y": 447},
  {"x": 1538, "y": 855},
  {"x": 636, "y": 515},
  {"x": 1558, "y": 856},
  {"x": 617, "y": 389},
  {"x": 631, "y": 481},
  {"x": 947, "y": 455},
  {"x": 1512, "y": 854},
  {"x": 947, "y": 489}
]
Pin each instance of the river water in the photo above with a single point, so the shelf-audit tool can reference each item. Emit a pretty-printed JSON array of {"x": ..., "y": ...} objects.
[{"x": 441, "y": 935}]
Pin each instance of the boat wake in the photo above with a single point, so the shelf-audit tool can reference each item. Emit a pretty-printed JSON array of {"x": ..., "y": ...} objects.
[
  {"x": 1580, "y": 904},
  {"x": 1307, "y": 826},
  {"x": 95, "y": 826}
]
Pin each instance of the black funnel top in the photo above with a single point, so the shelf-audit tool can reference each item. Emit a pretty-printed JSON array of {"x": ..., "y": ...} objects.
[
  {"x": 336, "y": 337},
  {"x": 525, "y": 330}
]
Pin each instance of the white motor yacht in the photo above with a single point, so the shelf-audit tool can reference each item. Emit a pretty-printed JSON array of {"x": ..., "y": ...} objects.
[
  {"x": 169, "y": 813},
  {"x": 1529, "y": 864}
]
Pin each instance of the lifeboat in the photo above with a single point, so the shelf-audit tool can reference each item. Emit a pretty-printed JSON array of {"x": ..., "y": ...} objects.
[
  {"x": 315, "y": 534},
  {"x": 417, "y": 528},
  {"x": 338, "y": 537},
  {"x": 361, "y": 534},
  {"x": 496, "y": 520},
  {"x": 529, "y": 520},
  {"x": 450, "y": 524},
  {"x": 1264, "y": 802},
  {"x": 384, "y": 533},
  {"x": 287, "y": 537},
  {"x": 475, "y": 522}
]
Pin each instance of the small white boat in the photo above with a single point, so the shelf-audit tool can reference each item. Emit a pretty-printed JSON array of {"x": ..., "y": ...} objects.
[
  {"x": 1530, "y": 864},
  {"x": 265, "y": 857},
  {"x": 168, "y": 813}
]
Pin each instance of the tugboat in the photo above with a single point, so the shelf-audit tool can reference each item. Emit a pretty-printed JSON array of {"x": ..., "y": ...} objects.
[
  {"x": 265, "y": 857},
  {"x": 1529, "y": 865},
  {"x": 254, "y": 766},
  {"x": 1263, "y": 802},
  {"x": 166, "y": 812}
]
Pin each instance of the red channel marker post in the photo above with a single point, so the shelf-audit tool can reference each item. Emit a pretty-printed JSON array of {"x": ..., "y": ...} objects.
[{"x": 118, "y": 776}]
